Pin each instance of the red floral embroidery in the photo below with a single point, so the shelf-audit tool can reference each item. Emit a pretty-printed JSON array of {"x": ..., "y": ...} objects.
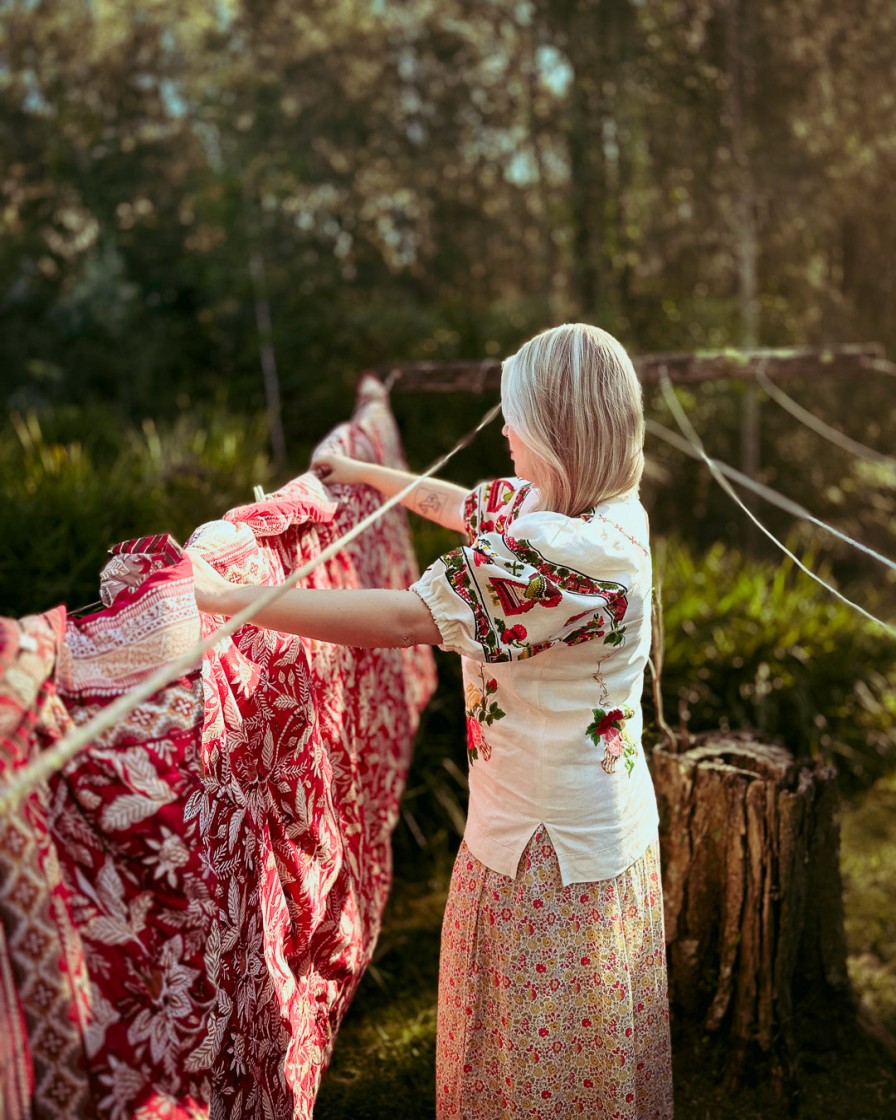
[
  {"x": 531, "y": 580},
  {"x": 609, "y": 720},
  {"x": 609, "y": 728}
]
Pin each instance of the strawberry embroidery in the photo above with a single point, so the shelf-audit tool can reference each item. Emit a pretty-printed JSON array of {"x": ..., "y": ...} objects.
[
  {"x": 608, "y": 727},
  {"x": 495, "y": 496}
]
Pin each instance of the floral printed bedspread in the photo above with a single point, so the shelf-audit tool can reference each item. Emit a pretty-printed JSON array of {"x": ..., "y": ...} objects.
[{"x": 187, "y": 909}]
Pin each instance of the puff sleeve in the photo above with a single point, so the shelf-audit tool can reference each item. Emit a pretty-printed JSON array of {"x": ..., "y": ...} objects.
[{"x": 501, "y": 599}]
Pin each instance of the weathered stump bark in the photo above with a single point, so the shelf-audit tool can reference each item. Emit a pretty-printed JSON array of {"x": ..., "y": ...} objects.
[{"x": 753, "y": 899}]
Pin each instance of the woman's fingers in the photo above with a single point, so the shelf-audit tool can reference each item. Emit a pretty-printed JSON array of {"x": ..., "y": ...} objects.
[
  {"x": 323, "y": 467},
  {"x": 209, "y": 585},
  {"x": 335, "y": 468}
]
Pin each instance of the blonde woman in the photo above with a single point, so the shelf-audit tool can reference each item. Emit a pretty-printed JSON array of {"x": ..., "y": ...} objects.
[{"x": 552, "y": 989}]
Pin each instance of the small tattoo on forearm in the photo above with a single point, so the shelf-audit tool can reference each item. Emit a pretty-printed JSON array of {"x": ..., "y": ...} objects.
[{"x": 428, "y": 501}]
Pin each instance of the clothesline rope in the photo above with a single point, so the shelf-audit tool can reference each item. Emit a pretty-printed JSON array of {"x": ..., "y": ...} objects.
[
  {"x": 692, "y": 437},
  {"x": 810, "y": 420},
  {"x": 771, "y": 496},
  {"x": 57, "y": 756}
]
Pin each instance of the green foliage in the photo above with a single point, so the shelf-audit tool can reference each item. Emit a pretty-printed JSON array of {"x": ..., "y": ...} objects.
[
  {"x": 749, "y": 645},
  {"x": 71, "y": 486}
]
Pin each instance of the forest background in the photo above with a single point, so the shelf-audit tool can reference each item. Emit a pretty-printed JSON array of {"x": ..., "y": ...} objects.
[{"x": 201, "y": 199}]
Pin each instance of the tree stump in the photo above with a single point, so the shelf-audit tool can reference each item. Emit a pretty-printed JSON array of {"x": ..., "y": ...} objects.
[{"x": 753, "y": 897}]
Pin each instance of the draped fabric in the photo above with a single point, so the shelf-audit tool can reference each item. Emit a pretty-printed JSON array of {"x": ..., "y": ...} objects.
[
  {"x": 188, "y": 907},
  {"x": 42, "y": 974}
]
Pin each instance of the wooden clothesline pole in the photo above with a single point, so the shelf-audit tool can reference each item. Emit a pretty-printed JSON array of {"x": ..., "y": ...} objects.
[{"x": 844, "y": 361}]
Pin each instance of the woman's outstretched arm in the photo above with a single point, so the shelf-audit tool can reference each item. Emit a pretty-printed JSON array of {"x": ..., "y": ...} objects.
[
  {"x": 366, "y": 618},
  {"x": 434, "y": 499}
]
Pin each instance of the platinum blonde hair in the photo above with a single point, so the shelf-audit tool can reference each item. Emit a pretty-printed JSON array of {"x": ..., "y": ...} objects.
[{"x": 573, "y": 396}]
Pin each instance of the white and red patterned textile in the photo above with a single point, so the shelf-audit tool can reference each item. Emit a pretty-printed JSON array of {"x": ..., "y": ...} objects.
[{"x": 189, "y": 906}]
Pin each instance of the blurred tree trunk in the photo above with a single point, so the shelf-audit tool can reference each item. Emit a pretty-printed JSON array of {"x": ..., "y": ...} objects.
[
  {"x": 599, "y": 40},
  {"x": 739, "y": 42},
  {"x": 585, "y": 174},
  {"x": 536, "y": 142},
  {"x": 267, "y": 357}
]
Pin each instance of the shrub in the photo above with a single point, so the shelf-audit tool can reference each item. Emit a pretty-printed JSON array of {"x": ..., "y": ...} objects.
[
  {"x": 750, "y": 645},
  {"x": 65, "y": 498}
]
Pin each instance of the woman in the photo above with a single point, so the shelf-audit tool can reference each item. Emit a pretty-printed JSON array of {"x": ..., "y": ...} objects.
[{"x": 552, "y": 990}]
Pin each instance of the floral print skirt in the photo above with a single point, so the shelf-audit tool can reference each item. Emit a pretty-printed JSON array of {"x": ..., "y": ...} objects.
[{"x": 553, "y": 1000}]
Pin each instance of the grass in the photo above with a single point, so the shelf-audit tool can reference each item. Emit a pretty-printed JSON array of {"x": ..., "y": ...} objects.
[
  {"x": 384, "y": 1061},
  {"x": 69, "y": 490},
  {"x": 384, "y": 1065},
  {"x": 869, "y": 874}
]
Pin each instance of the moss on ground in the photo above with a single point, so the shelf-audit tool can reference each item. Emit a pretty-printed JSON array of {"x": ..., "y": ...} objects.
[{"x": 383, "y": 1065}]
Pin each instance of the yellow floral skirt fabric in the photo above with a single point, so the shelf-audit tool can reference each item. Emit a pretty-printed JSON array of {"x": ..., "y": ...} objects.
[{"x": 553, "y": 1000}]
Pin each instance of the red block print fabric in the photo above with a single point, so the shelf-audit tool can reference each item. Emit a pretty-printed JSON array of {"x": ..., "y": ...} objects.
[
  {"x": 106, "y": 943},
  {"x": 139, "y": 890},
  {"x": 210, "y": 876},
  {"x": 42, "y": 974},
  {"x": 305, "y": 749}
]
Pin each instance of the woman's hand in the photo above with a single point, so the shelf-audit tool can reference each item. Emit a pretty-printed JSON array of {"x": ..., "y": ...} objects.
[
  {"x": 212, "y": 590},
  {"x": 339, "y": 468},
  {"x": 435, "y": 499}
]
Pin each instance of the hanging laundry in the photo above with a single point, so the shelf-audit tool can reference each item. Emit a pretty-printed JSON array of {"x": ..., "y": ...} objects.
[
  {"x": 224, "y": 855},
  {"x": 42, "y": 1059}
]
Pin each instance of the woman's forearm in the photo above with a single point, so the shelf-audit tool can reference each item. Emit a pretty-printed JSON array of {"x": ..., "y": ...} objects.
[
  {"x": 434, "y": 499},
  {"x": 367, "y": 618}
]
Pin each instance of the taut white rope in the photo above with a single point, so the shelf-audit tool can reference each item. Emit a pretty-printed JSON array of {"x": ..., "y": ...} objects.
[
  {"x": 840, "y": 439},
  {"x": 772, "y": 496},
  {"x": 688, "y": 429},
  {"x": 57, "y": 756}
]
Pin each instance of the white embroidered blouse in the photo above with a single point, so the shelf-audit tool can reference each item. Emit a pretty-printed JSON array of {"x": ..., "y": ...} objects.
[{"x": 551, "y": 615}]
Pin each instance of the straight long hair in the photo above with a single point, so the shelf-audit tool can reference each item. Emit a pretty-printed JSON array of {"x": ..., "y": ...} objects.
[{"x": 573, "y": 396}]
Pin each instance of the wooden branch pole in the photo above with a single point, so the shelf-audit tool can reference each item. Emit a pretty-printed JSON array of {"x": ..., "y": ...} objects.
[
  {"x": 853, "y": 360},
  {"x": 753, "y": 897}
]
